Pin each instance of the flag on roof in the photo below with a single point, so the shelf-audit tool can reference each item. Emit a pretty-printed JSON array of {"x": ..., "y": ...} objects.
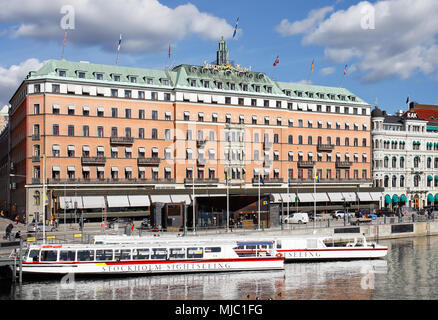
[
  {"x": 311, "y": 67},
  {"x": 276, "y": 61},
  {"x": 169, "y": 50},
  {"x": 235, "y": 28},
  {"x": 407, "y": 100},
  {"x": 345, "y": 69},
  {"x": 261, "y": 180},
  {"x": 120, "y": 42}
]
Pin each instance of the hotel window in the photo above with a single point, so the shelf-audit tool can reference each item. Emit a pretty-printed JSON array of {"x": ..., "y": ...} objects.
[
  {"x": 100, "y": 132},
  {"x": 402, "y": 181},
  {"x": 141, "y": 114},
  {"x": 319, "y": 140},
  {"x": 189, "y": 173},
  {"x": 114, "y": 152},
  {"x": 290, "y": 139},
  {"x": 167, "y": 136},
  {"x": 71, "y": 131},
  {"x": 219, "y": 85},
  {"x": 278, "y": 104},
  {"x": 86, "y": 111},
  {"x": 100, "y": 112},
  {"x": 201, "y": 117},
  {"x": 256, "y": 155},
  {"x": 100, "y": 174},
  {"x": 245, "y": 87},
  {"x": 189, "y": 154},
  {"x": 266, "y": 120},
  {"x": 318, "y": 108},
  {"x": 114, "y": 174},
  {"x": 99, "y": 76},
  {"x": 310, "y": 124},
  {"x": 128, "y": 93},
  {"x": 319, "y": 124},
  {"x": 227, "y": 100},
  {"x": 329, "y": 140},
  {"x": 81, "y": 75},
  {"x": 338, "y": 141},
  {"x": 133, "y": 79},
  {"x": 240, "y": 101},
  {"x": 347, "y": 126},
  {"x": 128, "y": 153},
  {"x": 128, "y": 132},
  {"x": 232, "y": 86},
  {"x": 154, "y": 95},
  {"x": 141, "y": 153},
  {"x": 55, "y": 130},
  {"x": 309, "y": 140},
  {"x": 116, "y": 78},
  {"x": 128, "y": 113},
  {"x": 364, "y": 142},
  {"x": 154, "y": 115},
  {"x": 114, "y": 132},
  {"x": 300, "y": 139},
  {"x": 149, "y": 80},
  {"x": 70, "y": 173},
  {"x": 289, "y": 106},
  {"x": 347, "y": 174},
  {"x": 328, "y": 173},
  {"x": 141, "y": 95},
  {"x": 141, "y": 133},
  {"x": 300, "y": 123},
  {"x": 70, "y": 151},
  {"x": 167, "y": 154},
  {"x": 36, "y": 88},
  {"x": 192, "y": 83},
  {"x": 416, "y": 161},
  {"x": 254, "y": 119},
  {"x": 188, "y": 134},
  {"x": 364, "y": 174},
  {"x": 114, "y": 112},
  {"x": 167, "y": 174},
  {"x": 364, "y": 111},
  {"x": 228, "y": 118},
  {"x": 154, "y": 134},
  {"x": 187, "y": 116},
  {"x": 85, "y": 151},
  {"x": 355, "y": 142},
  {"x": 279, "y": 122},
  {"x": 328, "y": 157},
  {"x": 56, "y": 150},
  {"x": 85, "y": 131},
  {"x": 417, "y": 180},
  {"x": 290, "y": 157},
  {"x": 266, "y": 103},
  {"x": 56, "y": 88},
  {"x": 206, "y": 84},
  {"x": 71, "y": 110},
  {"x": 253, "y": 102},
  {"x": 256, "y": 137},
  {"x": 214, "y": 117},
  {"x": 114, "y": 93},
  {"x": 276, "y": 138},
  {"x": 36, "y": 109}
]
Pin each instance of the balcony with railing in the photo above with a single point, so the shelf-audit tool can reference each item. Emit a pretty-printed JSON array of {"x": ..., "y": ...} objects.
[
  {"x": 343, "y": 164},
  {"x": 325, "y": 147},
  {"x": 35, "y": 158},
  {"x": 122, "y": 140},
  {"x": 110, "y": 181},
  {"x": 154, "y": 161},
  {"x": 256, "y": 180},
  {"x": 306, "y": 164},
  {"x": 93, "y": 160},
  {"x": 36, "y": 137},
  {"x": 201, "y": 181}
]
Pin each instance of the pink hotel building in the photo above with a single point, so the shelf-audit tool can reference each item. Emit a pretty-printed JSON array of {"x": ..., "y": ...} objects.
[{"x": 122, "y": 141}]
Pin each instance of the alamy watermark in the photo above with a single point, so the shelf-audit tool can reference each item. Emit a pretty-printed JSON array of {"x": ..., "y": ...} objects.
[{"x": 68, "y": 20}]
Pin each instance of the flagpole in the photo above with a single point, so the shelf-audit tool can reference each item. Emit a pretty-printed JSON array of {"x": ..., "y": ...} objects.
[
  {"x": 258, "y": 220},
  {"x": 118, "y": 49},
  {"x": 44, "y": 197},
  {"x": 228, "y": 199},
  {"x": 193, "y": 190},
  {"x": 314, "y": 199},
  {"x": 63, "y": 45},
  {"x": 345, "y": 72}
]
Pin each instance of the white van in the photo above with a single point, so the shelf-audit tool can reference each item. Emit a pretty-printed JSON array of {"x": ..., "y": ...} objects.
[{"x": 298, "y": 217}]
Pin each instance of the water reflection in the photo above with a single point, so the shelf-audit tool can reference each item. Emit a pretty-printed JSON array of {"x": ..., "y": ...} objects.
[{"x": 409, "y": 271}]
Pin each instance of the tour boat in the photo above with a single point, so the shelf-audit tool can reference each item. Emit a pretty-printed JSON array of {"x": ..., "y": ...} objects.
[
  {"x": 146, "y": 258},
  {"x": 293, "y": 247}
]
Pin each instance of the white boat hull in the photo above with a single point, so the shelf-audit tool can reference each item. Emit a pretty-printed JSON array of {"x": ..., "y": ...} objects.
[
  {"x": 154, "y": 267},
  {"x": 333, "y": 253}
]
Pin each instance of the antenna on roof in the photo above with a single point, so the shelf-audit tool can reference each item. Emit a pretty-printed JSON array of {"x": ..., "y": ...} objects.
[{"x": 63, "y": 44}]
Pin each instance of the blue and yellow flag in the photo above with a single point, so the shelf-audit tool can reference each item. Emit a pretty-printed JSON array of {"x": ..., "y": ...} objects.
[
  {"x": 46, "y": 199},
  {"x": 235, "y": 28},
  {"x": 316, "y": 175}
]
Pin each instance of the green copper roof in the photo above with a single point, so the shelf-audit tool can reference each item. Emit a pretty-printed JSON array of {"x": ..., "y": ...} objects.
[{"x": 221, "y": 79}]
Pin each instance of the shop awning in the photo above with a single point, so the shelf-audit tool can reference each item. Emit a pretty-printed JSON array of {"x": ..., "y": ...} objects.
[
  {"x": 276, "y": 198},
  {"x": 395, "y": 198},
  {"x": 163, "y": 198},
  {"x": 388, "y": 199},
  {"x": 93, "y": 202},
  {"x": 403, "y": 198},
  {"x": 364, "y": 196},
  {"x": 178, "y": 198},
  {"x": 375, "y": 196},
  {"x": 335, "y": 196},
  {"x": 70, "y": 201},
  {"x": 349, "y": 196},
  {"x": 430, "y": 198},
  {"x": 117, "y": 201},
  {"x": 139, "y": 201},
  {"x": 305, "y": 197},
  {"x": 288, "y": 197},
  {"x": 322, "y": 197}
]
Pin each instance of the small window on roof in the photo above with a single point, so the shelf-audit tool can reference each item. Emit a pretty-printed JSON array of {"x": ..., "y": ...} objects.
[
  {"x": 165, "y": 82},
  {"x": 99, "y": 76},
  {"x": 62, "y": 73},
  {"x": 133, "y": 79},
  {"x": 81, "y": 74},
  {"x": 116, "y": 77},
  {"x": 149, "y": 80}
]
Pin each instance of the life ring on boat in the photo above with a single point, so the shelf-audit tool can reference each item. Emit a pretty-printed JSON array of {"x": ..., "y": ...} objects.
[{"x": 279, "y": 255}]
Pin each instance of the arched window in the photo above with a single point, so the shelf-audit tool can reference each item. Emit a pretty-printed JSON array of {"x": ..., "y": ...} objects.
[
  {"x": 429, "y": 162},
  {"x": 402, "y": 162},
  {"x": 36, "y": 198},
  {"x": 416, "y": 161},
  {"x": 394, "y": 181},
  {"x": 394, "y": 162},
  {"x": 417, "y": 180},
  {"x": 386, "y": 181},
  {"x": 290, "y": 139},
  {"x": 385, "y": 162},
  {"x": 402, "y": 181},
  {"x": 300, "y": 139}
]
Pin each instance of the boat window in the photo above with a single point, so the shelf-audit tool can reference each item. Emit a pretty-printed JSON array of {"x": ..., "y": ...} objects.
[
  {"x": 278, "y": 244},
  {"x": 67, "y": 255},
  {"x": 34, "y": 255},
  {"x": 213, "y": 249},
  {"x": 49, "y": 255},
  {"x": 195, "y": 253},
  {"x": 85, "y": 255},
  {"x": 124, "y": 254},
  {"x": 140, "y": 254},
  {"x": 102, "y": 255},
  {"x": 240, "y": 247},
  {"x": 177, "y": 253},
  {"x": 251, "y": 247},
  {"x": 159, "y": 253}
]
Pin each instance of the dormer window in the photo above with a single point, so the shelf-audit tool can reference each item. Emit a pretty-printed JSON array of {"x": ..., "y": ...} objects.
[
  {"x": 287, "y": 92},
  {"x": 353, "y": 99},
  {"x": 116, "y": 77},
  {"x": 165, "y": 82},
  {"x": 299, "y": 93},
  {"x": 206, "y": 84},
  {"x": 133, "y": 79},
  {"x": 192, "y": 82},
  {"x": 149, "y": 81},
  {"x": 219, "y": 85},
  {"x": 310, "y": 94},
  {"x": 81, "y": 74},
  {"x": 232, "y": 86},
  {"x": 99, "y": 76},
  {"x": 62, "y": 73},
  {"x": 269, "y": 89},
  {"x": 332, "y": 97},
  {"x": 257, "y": 88},
  {"x": 244, "y": 87}
]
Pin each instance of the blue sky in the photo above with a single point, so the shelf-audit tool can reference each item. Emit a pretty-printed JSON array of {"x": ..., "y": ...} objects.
[{"x": 393, "y": 56}]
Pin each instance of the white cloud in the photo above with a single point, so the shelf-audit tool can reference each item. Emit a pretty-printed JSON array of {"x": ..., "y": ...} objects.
[
  {"x": 305, "y": 81},
  {"x": 315, "y": 16},
  {"x": 328, "y": 70},
  {"x": 401, "y": 44},
  {"x": 11, "y": 78},
  {"x": 146, "y": 25}
]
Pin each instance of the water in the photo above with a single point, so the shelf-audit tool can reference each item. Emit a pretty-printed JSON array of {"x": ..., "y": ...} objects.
[{"x": 410, "y": 271}]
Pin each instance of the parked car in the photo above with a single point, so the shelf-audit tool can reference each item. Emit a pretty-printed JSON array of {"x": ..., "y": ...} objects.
[
  {"x": 145, "y": 223},
  {"x": 34, "y": 227},
  {"x": 120, "y": 221},
  {"x": 339, "y": 214},
  {"x": 386, "y": 212},
  {"x": 298, "y": 217}
]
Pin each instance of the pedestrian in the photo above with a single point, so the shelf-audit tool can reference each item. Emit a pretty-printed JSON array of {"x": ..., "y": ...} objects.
[
  {"x": 17, "y": 219},
  {"x": 132, "y": 226},
  {"x": 8, "y": 230},
  {"x": 18, "y": 235}
]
